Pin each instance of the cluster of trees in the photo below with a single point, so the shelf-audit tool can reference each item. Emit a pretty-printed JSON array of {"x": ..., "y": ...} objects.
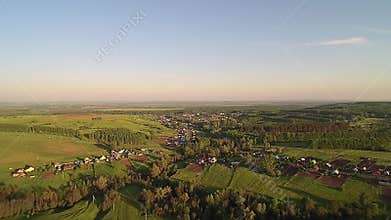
[
  {"x": 331, "y": 135},
  {"x": 112, "y": 137},
  {"x": 215, "y": 147},
  {"x": 307, "y": 127},
  {"x": 165, "y": 167},
  {"x": 54, "y": 131},
  {"x": 40, "y": 129},
  {"x": 115, "y": 137},
  {"x": 185, "y": 201},
  {"x": 350, "y": 139},
  {"x": 16, "y": 202}
]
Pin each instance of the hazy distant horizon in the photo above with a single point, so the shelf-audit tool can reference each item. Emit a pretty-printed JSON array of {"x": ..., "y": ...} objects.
[
  {"x": 72, "y": 51},
  {"x": 190, "y": 102}
]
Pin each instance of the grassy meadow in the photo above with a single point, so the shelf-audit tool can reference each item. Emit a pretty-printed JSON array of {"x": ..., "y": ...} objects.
[
  {"x": 18, "y": 149},
  {"x": 89, "y": 122},
  {"x": 383, "y": 158},
  {"x": 296, "y": 187}
]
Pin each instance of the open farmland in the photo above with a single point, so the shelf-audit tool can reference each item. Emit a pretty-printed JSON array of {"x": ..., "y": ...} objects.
[
  {"x": 296, "y": 187},
  {"x": 80, "y": 211},
  {"x": 19, "y": 149},
  {"x": 23, "y": 147},
  {"x": 215, "y": 177},
  {"x": 89, "y": 122},
  {"x": 383, "y": 158}
]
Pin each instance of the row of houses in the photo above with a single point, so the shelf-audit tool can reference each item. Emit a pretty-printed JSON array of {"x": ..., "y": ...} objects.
[
  {"x": 137, "y": 154},
  {"x": 205, "y": 161},
  {"x": 26, "y": 170},
  {"x": 338, "y": 166},
  {"x": 366, "y": 168}
]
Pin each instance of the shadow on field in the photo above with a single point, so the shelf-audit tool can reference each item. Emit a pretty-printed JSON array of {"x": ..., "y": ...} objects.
[
  {"x": 306, "y": 194},
  {"x": 104, "y": 147}
]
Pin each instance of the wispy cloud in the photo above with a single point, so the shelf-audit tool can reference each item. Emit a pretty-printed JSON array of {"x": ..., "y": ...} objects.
[{"x": 336, "y": 42}]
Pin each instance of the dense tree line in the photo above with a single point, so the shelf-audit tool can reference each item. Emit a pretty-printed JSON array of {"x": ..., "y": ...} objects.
[
  {"x": 54, "y": 131},
  {"x": 112, "y": 137},
  {"x": 15, "y": 202},
  {"x": 185, "y": 201},
  {"x": 40, "y": 129},
  {"x": 314, "y": 135},
  {"x": 118, "y": 136},
  {"x": 350, "y": 139},
  {"x": 307, "y": 127}
]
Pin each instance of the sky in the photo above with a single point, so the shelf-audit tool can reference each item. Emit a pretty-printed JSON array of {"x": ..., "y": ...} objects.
[{"x": 69, "y": 50}]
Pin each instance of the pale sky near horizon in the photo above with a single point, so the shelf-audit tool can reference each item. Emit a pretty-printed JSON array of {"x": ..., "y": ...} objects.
[{"x": 195, "y": 50}]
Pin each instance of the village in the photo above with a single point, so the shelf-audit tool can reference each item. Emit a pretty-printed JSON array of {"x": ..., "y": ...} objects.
[
  {"x": 138, "y": 154},
  {"x": 185, "y": 133},
  {"x": 331, "y": 173}
]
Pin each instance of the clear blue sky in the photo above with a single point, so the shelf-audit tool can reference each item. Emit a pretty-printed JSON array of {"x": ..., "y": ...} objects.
[{"x": 195, "y": 50}]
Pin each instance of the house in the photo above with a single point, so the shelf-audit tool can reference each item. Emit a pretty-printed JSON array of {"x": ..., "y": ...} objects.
[
  {"x": 87, "y": 160},
  {"x": 365, "y": 164},
  {"x": 57, "y": 166},
  {"x": 376, "y": 167},
  {"x": 68, "y": 166},
  {"x": 212, "y": 160},
  {"x": 28, "y": 169},
  {"x": 19, "y": 173}
]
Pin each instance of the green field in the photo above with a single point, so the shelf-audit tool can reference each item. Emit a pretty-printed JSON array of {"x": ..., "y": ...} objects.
[
  {"x": 81, "y": 211},
  {"x": 127, "y": 204},
  {"x": 18, "y": 149},
  {"x": 297, "y": 187},
  {"x": 127, "y": 207},
  {"x": 25, "y": 148},
  {"x": 329, "y": 155},
  {"x": 220, "y": 177},
  {"x": 85, "y": 123},
  {"x": 216, "y": 176}
]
